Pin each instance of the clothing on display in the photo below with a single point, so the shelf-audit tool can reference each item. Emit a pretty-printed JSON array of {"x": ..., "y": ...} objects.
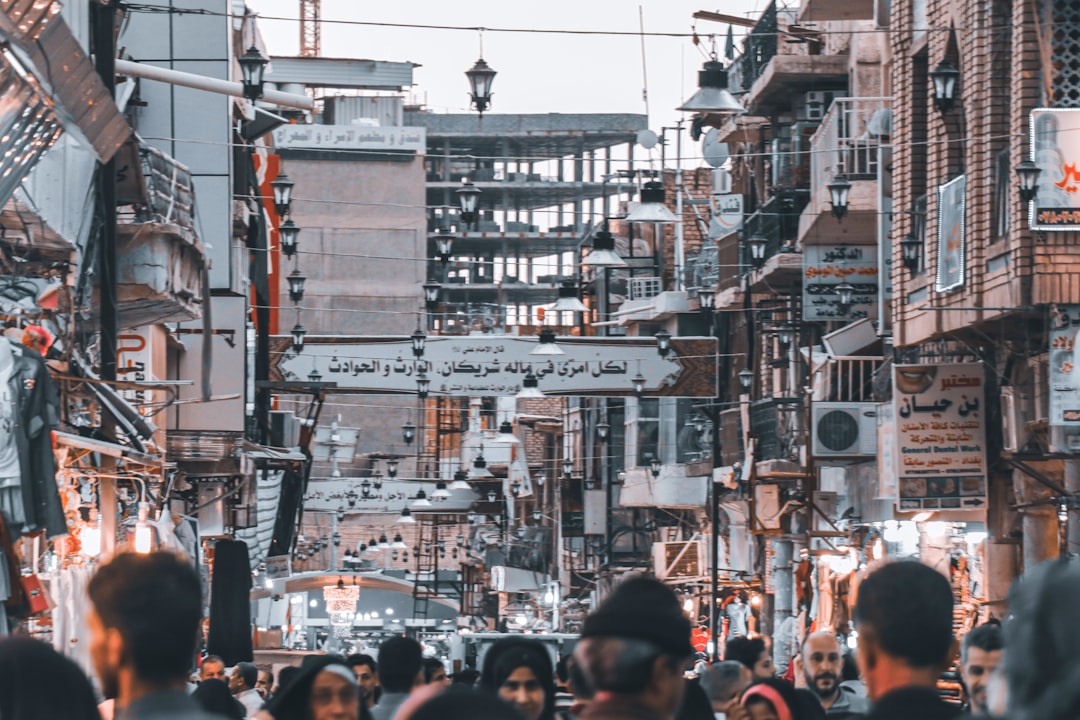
[
  {"x": 230, "y": 604},
  {"x": 738, "y": 613}
]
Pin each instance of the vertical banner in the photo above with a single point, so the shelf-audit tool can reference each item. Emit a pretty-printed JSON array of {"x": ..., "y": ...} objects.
[
  {"x": 1064, "y": 375},
  {"x": 1055, "y": 148},
  {"x": 827, "y": 266},
  {"x": 951, "y": 241},
  {"x": 941, "y": 436}
]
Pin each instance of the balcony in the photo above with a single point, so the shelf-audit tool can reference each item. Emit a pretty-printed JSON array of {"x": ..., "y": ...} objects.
[
  {"x": 776, "y": 221},
  {"x": 848, "y": 143},
  {"x": 161, "y": 263},
  {"x": 850, "y": 379},
  {"x": 777, "y": 66}
]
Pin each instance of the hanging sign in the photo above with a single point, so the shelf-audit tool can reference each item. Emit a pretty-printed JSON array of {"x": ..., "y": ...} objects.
[
  {"x": 951, "y": 240},
  {"x": 825, "y": 267},
  {"x": 1064, "y": 374},
  {"x": 727, "y": 215},
  {"x": 495, "y": 365},
  {"x": 941, "y": 436},
  {"x": 1055, "y": 148}
]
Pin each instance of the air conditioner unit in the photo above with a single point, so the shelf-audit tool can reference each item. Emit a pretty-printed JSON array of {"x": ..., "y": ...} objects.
[
  {"x": 844, "y": 429},
  {"x": 679, "y": 559}
]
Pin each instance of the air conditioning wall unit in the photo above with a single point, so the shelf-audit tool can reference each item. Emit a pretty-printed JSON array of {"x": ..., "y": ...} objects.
[
  {"x": 844, "y": 429},
  {"x": 686, "y": 559},
  {"x": 813, "y": 105}
]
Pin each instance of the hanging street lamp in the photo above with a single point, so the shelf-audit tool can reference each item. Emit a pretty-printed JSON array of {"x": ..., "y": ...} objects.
[
  {"x": 282, "y": 187},
  {"x": 839, "y": 189},
  {"x": 468, "y": 196},
  {"x": 296, "y": 285},
  {"x": 481, "y": 77},
  {"x": 252, "y": 66},
  {"x": 289, "y": 232}
]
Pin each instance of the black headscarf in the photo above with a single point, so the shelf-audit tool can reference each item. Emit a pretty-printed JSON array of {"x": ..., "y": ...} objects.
[
  {"x": 459, "y": 701},
  {"x": 215, "y": 697},
  {"x": 293, "y": 700},
  {"x": 509, "y": 654}
]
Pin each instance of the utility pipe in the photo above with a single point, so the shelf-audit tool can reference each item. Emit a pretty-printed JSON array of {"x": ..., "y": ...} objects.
[{"x": 215, "y": 85}]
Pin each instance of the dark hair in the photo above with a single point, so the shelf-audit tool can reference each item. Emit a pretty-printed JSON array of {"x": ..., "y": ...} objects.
[
  {"x": 801, "y": 703},
  {"x": 155, "y": 602},
  {"x": 269, "y": 670},
  {"x": 213, "y": 659},
  {"x": 695, "y": 703},
  {"x": 248, "y": 672},
  {"x": 745, "y": 650},
  {"x": 464, "y": 702},
  {"x": 619, "y": 665},
  {"x": 430, "y": 665},
  {"x": 509, "y": 654},
  {"x": 987, "y": 638},
  {"x": 399, "y": 663},
  {"x": 579, "y": 684},
  {"x": 214, "y": 696},
  {"x": 560, "y": 668},
  {"x": 850, "y": 669},
  {"x": 286, "y": 675},
  {"x": 293, "y": 700},
  {"x": 467, "y": 676},
  {"x": 30, "y": 674},
  {"x": 907, "y": 607},
  {"x": 361, "y": 659}
]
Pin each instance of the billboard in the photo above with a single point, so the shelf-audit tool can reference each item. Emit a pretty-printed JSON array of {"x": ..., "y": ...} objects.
[
  {"x": 1064, "y": 375},
  {"x": 825, "y": 267},
  {"x": 941, "y": 436},
  {"x": 1055, "y": 148}
]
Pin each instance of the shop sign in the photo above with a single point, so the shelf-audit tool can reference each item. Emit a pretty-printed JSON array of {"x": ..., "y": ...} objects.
[
  {"x": 727, "y": 215},
  {"x": 951, "y": 236},
  {"x": 330, "y": 495},
  {"x": 1064, "y": 375},
  {"x": 941, "y": 436},
  {"x": 350, "y": 137},
  {"x": 1055, "y": 148},
  {"x": 825, "y": 267}
]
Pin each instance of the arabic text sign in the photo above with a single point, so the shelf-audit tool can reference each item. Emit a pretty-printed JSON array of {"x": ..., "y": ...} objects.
[
  {"x": 951, "y": 235},
  {"x": 350, "y": 137},
  {"x": 495, "y": 365},
  {"x": 825, "y": 267},
  {"x": 332, "y": 494},
  {"x": 727, "y": 215},
  {"x": 1055, "y": 148},
  {"x": 1064, "y": 374},
  {"x": 941, "y": 436}
]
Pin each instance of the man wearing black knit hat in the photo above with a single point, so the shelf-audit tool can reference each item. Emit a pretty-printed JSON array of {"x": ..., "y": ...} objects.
[{"x": 633, "y": 651}]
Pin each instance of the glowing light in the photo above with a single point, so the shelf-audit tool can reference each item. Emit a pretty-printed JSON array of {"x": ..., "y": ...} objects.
[
  {"x": 755, "y": 600},
  {"x": 976, "y": 538},
  {"x": 90, "y": 538},
  {"x": 143, "y": 540}
]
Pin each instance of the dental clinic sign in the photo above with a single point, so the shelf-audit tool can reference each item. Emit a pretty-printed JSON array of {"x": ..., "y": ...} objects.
[
  {"x": 1055, "y": 148},
  {"x": 350, "y": 137}
]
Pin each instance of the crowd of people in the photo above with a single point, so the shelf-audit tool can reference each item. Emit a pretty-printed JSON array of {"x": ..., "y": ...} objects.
[{"x": 633, "y": 661}]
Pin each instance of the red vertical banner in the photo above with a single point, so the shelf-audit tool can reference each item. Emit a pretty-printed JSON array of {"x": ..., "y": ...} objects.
[{"x": 267, "y": 168}]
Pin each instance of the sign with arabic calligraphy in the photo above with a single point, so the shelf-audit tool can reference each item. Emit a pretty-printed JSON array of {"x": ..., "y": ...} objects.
[
  {"x": 941, "y": 436},
  {"x": 727, "y": 215},
  {"x": 951, "y": 235},
  {"x": 331, "y": 494},
  {"x": 1055, "y": 148},
  {"x": 825, "y": 267},
  {"x": 1064, "y": 374},
  {"x": 350, "y": 137},
  {"x": 495, "y": 365}
]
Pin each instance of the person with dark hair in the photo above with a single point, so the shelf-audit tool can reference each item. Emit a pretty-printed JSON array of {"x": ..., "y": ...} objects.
[
  {"x": 30, "y": 674},
  {"x": 753, "y": 653},
  {"x": 213, "y": 668},
  {"x": 144, "y": 620},
  {"x": 776, "y": 699},
  {"x": 367, "y": 674},
  {"x": 564, "y": 697},
  {"x": 821, "y": 662},
  {"x": 633, "y": 651},
  {"x": 242, "y": 684},
  {"x": 324, "y": 688},
  {"x": 434, "y": 672},
  {"x": 520, "y": 672},
  {"x": 400, "y": 670},
  {"x": 285, "y": 676},
  {"x": 265, "y": 683},
  {"x": 695, "y": 704},
  {"x": 1042, "y": 666},
  {"x": 460, "y": 702},
  {"x": 723, "y": 683},
  {"x": 466, "y": 676},
  {"x": 980, "y": 655},
  {"x": 904, "y": 616},
  {"x": 215, "y": 696}
]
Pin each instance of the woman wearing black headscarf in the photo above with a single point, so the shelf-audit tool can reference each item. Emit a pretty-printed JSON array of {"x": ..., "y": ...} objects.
[
  {"x": 521, "y": 673},
  {"x": 215, "y": 697},
  {"x": 325, "y": 687}
]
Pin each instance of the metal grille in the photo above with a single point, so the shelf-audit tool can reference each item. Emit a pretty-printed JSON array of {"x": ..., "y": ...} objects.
[
  {"x": 1066, "y": 53},
  {"x": 645, "y": 287}
]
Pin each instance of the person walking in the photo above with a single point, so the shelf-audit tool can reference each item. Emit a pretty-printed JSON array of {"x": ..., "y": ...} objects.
[
  {"x": 242, "y": 684},
  {"x": 367, "y": 674},
  {"x": 400, "y": 670},
  {"x": 633, "y": 651},
  {"x": 821, "y": 662},
  {"x": 31, "y": 673},
  {"x": 325, "y": 688},
  {"x": 520, "y": 672},
  {"x": 754, "y": 654},
  {"x": 980, "y": 656},
  {"x": 144, "y": 620},
  {"x": 904, "y": 617}
]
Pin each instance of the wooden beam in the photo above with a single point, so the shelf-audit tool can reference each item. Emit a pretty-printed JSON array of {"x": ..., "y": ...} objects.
[{"x": 720, "y": 17}]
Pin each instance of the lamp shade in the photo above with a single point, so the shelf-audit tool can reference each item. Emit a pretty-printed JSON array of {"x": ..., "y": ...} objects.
[
  {"x": 296, "y": 285},
  {"x": 652, "y": 209},
  {"x": 282, "y": 187},
  {"x": 299, "y": 332},
  {"x": 546, "y": 344},
  {"x": 252, "y": 66},
  {"x": 603, "y": 253},
  {"x": 568, "y": 298},
  {"x": 289, "y": 232},
  {"x": 944, "y": 78},
  {"x": 481, "y": 77},
  {"x": 530, "y": 388},
  {"x": 713, "y": 96},
  {"x": 468, "y": 196}
]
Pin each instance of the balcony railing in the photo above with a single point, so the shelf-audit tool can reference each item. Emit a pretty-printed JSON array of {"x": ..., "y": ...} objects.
[
  {"x": 760, "y": 47},
  {"x": 849, "y": 142},
  {"x": 848, "y": 379}
]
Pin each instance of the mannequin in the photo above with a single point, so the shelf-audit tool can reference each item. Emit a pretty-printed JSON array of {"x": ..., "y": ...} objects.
[
  {"x": 737, "y": 613},
  {"x": 11, "y": 497}
]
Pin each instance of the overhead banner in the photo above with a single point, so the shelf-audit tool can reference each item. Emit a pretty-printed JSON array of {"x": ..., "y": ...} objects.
[
  {"x": 951, "y": 236},
  {"x": 827, "y": 266},
  {"x": 496, "y": 365},
  {"x": 941, "y": 436},
  {"x": 1064, "y": 375},
  {"x": 1055, "y": 148}
]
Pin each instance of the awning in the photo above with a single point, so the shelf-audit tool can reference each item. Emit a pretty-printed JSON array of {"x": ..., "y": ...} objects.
[{"x": 104, "y": 447}]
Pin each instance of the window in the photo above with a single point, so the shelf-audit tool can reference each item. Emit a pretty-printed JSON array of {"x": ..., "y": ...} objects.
[
  {"x": 1000, "y": 200},
  {"x": 918, "y": 229}
]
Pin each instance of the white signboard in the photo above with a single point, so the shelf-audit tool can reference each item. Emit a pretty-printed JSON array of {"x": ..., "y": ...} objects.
[
  {"x": 1055, "y": 148},
  {"x": 825, "y": 267},
  {"x": 350, "y": 137},
  {"x": 727, "y": 215},
  {"x": 1064, "y": 373},
  {"x": 941, "y": 435},
  {"x": 330, "y": 495},
  {"x": 495, "y": 365}
]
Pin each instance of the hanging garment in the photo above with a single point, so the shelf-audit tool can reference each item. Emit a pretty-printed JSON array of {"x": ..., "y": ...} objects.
[
  {"x": 737, "y": 612},
  {"x": 230, "y": 603},
  {"x": 71, "y": 633}
]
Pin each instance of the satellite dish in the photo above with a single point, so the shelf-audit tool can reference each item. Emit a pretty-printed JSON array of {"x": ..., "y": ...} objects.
[
  {"x": 647, "y": 139},
  {"x": 715, "y": 152}
]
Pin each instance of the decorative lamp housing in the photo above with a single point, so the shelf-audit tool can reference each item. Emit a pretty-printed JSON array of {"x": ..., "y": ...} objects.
[
  {"x": 481, "y": 77},
  {"x": 289, "y": 232},
  {"x": 252, "y": 66},
  {"x": 713, "y": 96},
  {"x": 296, "y": 285},
  {"x": 944, "y": 78},
  {"x": 282, "y": 186},
  {"x": 603, "y": 251},
  {"x": 839, "y": 189}
]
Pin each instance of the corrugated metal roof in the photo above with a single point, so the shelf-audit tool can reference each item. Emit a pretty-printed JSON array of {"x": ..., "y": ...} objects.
[{"x": 341, "y": 73}]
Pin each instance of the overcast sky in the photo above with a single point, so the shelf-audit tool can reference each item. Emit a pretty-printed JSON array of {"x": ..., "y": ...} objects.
[{"x": 536, "y": 72}]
